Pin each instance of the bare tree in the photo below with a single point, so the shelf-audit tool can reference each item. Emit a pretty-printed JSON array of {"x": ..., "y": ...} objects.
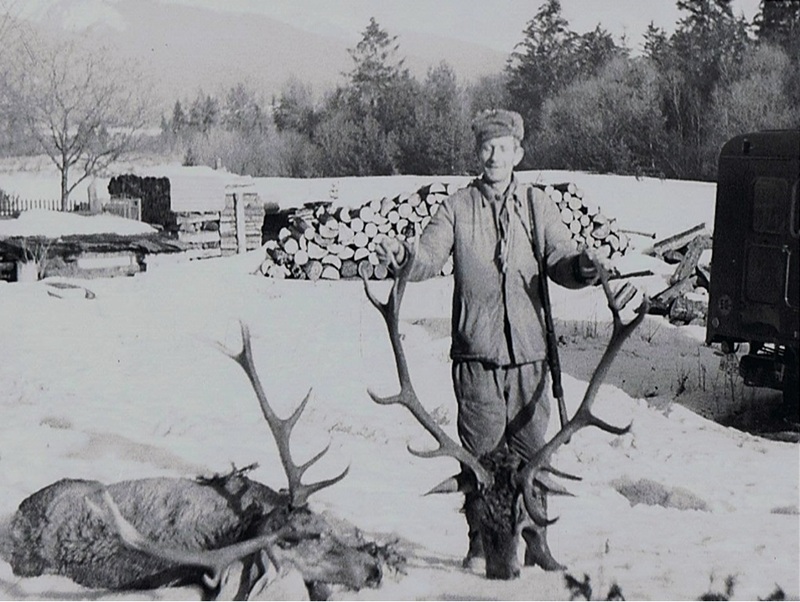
[
  {"x": 83, "y": 109},
  {"x": 8, "y": 25}
]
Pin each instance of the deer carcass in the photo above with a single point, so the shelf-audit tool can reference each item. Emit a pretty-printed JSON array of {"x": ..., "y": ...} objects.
[
  {"x": 510, "y": 489},
  {"x": 148, "y": 533}
]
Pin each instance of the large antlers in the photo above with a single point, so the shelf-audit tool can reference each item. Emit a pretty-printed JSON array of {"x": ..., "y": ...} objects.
[
  {"x": 407, "y": 396},
  {"x": 282, "y": 428},
  {"x": 539, "y": 465}
]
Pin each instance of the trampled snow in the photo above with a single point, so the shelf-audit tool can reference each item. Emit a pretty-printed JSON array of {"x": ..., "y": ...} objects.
[{"x": 132, "y": 384}]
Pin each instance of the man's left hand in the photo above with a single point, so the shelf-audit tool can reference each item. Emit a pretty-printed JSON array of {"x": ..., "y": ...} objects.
[{"x": 589, "y": 262}]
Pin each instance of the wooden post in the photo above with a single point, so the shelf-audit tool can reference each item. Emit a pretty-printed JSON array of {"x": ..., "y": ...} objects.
[{"x": 241, "y": 234}]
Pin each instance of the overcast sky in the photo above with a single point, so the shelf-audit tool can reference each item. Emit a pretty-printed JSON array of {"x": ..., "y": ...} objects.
[{"x": 494, "y": 23}]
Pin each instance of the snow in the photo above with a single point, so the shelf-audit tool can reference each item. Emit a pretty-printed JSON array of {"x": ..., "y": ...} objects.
[
  {"x": 53, "y": 224},
  {"x": 132, "y": 384}
]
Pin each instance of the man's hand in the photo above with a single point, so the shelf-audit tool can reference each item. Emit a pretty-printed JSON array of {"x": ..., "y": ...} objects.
[
  {"x": 588, "y": 261},
  {"x": 391, "y": 252}
]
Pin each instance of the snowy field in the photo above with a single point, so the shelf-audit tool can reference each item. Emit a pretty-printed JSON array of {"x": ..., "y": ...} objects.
[{"x": 131, "y": 384}]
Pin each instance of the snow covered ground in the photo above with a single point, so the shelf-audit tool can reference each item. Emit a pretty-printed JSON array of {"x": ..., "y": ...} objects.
[{"x": 131, "y": 384}]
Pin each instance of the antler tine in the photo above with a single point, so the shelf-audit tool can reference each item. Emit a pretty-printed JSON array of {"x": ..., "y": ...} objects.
[
  {"x": 407, "y": 397},
  {"x": 282, "y": 429},
  {"x": 537, "y": 467},
  {"x": 213, "y": 561}
]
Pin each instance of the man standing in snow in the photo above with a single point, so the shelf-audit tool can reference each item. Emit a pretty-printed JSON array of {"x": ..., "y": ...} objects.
[{"x": 498, "y": 347}]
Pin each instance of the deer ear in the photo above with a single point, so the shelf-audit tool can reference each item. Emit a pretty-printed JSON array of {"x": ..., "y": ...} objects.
[{"x": 456, "y": 483}]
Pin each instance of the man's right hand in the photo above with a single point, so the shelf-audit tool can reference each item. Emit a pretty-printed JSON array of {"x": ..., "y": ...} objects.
[{"x": 391, "y": 252}]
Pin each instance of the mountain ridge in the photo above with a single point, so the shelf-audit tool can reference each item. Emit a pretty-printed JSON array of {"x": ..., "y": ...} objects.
[{"x": 185, "y": 49}]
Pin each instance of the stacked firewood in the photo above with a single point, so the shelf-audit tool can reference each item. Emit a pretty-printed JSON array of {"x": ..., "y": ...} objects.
[
  {"x": 685, "y": 300},
  {"x": 154, "y": 194},
  {"x": 320, "y": 241},
  {"x": 253, "y": 211},
  {"x": 588, "y": 225},
  {"x": 200, "y": 232}
]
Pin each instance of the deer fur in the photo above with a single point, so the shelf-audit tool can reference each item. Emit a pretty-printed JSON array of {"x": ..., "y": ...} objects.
[
  {"x": 57, "y": 531},
  {"x": 148, "y": 533}
]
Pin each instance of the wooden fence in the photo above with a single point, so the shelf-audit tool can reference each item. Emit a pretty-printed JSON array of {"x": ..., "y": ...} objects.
[
  {"x": 11, "y": 206},
  {"x": 129, "y": 208}
]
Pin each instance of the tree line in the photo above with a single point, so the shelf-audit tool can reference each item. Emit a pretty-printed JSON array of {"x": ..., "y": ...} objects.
[{"x": 588, "y": 101}]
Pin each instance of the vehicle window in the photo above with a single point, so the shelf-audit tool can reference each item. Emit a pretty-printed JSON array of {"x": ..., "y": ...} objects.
[{"x": 769, "y": 202}]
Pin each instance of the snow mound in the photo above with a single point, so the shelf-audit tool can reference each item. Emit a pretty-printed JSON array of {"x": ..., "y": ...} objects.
[{"x": 52, "y": 224}]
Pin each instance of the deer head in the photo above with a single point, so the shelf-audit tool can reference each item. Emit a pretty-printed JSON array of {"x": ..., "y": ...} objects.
[
  {"x": 223, "y": 532},
  {"x": 510, "y": 490}
]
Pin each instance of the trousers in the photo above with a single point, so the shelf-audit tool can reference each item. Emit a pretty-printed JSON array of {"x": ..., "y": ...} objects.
[{"x": 501, "y": 405}]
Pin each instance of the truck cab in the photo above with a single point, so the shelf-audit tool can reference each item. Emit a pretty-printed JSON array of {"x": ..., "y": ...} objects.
[{"x": 754, "y": 294}]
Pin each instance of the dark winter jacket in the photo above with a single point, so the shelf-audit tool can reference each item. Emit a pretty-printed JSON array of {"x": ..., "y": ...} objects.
[{"x": 497, "y": 317}]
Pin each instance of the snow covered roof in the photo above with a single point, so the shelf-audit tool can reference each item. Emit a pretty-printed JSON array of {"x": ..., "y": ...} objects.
[{"x": 197, "y": 188}]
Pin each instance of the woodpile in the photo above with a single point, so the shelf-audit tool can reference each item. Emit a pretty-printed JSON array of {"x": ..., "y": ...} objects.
[
  {"x": 200, "y": 231},
  {"x": 154, "y": 194},
  {"x": 251, "y": 213},
  {"x": 685, "y": 300},
  {"x": 318, "y": 241},
  {"x": 208, "y": 227},
  {"x": 323, "y": 242},
  {"x": 589, "y": 227}
]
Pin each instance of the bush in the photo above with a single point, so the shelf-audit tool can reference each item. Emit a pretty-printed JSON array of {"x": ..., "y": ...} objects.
[{"x": 608, "y": 123}]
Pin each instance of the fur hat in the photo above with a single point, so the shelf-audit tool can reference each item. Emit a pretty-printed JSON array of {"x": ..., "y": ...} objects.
[{"x": 493, "y": 123}]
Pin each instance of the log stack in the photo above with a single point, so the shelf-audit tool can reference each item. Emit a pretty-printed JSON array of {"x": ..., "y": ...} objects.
[
  {"x": 253, "y": 212},
  {"x": 685, "y": 300},
  {"x": 154, "y": 194},
  {"x": 318, "y": 241},
  {"x": 200, "y": 231},
  {"x": 589, "y": 227},
  {"x": 323, "y": 242}
]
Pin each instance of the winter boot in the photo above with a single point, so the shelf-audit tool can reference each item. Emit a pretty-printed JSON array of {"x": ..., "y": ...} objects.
[
  {"x": 475, "y": 560},
  {"x": 537, "y": 552},
  {"x": 476, "y": 557}
]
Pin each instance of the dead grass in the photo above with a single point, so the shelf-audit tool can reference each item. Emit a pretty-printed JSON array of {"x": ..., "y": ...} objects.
[
  {"x": 651, "y": 493},
  {"x": 663, "y": 364}
]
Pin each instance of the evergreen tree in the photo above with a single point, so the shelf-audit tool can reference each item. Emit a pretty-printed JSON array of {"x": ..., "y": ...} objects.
[
  {"x": 778, "y": 23},
  {"x": 593, "y": 50},
  {"x": 549, "y": 58},
  {"x": 242, "y": 111},
  {"x": 178, "y": 121},
  {"x": 376, "y": 66},
  {"x": 374, "y": 110},
  {"x": 541, "y": 64},
  {"x": 204, "y": 113},
  {"x": 439, "y": 141},
  {"x": 294, "y": 110},
  {"x": 705, "y": 52}
]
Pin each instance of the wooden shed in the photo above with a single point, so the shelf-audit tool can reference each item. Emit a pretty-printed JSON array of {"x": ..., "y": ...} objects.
[{"x": 214, "y": 211}]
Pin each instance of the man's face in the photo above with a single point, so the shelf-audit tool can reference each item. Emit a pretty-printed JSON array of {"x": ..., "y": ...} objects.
[{"x": 498, "y": 157}]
